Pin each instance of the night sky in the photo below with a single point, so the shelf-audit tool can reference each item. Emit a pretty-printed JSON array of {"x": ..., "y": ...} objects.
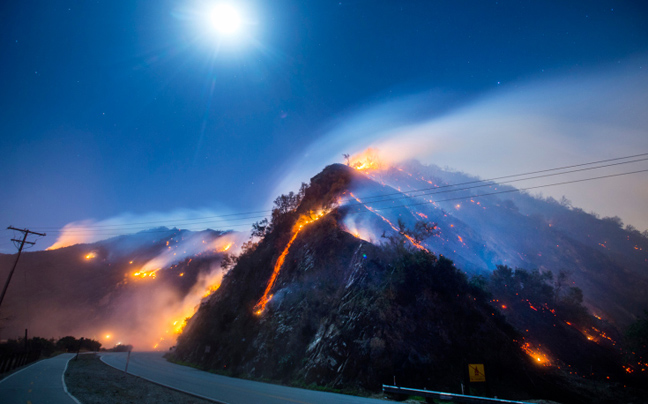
[{"x": 136, "y": 110}]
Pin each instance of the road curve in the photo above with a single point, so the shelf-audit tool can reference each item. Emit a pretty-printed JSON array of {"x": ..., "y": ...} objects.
[
  {"x": 39, "y": 383},
  {"x": 227, "y": 390}
]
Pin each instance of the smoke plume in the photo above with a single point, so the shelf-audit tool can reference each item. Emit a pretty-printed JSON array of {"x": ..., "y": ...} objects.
[{"x": 517, "y": 128}]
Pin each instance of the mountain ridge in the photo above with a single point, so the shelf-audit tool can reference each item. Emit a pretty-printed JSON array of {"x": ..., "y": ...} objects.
[{"x": 346, "y": 313}]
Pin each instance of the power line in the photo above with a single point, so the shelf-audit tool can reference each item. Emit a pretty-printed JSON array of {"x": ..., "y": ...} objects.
[
  {"x": 489, "y": 182},
  {"x": 510, "y": 190},
  {"x": 377, "y": 198},
  {"x": 358, "y": 205},
  {"x": 181, "y": 221},
  {"x": 197, "y": 221}
]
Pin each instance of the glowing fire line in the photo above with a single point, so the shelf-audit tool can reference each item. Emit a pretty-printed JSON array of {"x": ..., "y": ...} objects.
[
  {"x": 301, "y": 222},
  {"x": 260, "y": 306}
]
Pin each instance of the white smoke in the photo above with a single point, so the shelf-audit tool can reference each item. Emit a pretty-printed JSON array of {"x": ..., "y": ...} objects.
[
  {"x": 90, "y": 231},
  {"x": 524, "y": 127}
]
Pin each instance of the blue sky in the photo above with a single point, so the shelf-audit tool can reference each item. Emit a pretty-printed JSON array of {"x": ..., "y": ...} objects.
[{"x": 115, "y": 107}]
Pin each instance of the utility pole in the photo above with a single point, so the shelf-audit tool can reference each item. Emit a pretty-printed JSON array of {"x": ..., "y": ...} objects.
[{"x": 22, "y": 242}]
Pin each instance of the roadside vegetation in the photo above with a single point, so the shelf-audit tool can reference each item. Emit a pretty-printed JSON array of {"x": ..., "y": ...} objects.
[{"x": 92, "y": 381}]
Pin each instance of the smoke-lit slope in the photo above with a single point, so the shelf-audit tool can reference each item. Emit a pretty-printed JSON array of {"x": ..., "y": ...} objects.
[
  {"x": 483, "y": 224},
  {"x": 129, "y": 289},
  {"x": 312, "y": 302}
]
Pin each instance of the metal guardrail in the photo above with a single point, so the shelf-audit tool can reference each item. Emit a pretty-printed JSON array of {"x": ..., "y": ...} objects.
[{"x": 458, "y": 398}]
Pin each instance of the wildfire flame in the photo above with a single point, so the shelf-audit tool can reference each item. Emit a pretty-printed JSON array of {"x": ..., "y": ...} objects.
[
  {"x": 90, "y": 255},
  {"x": 297, "y": 228},
  {"x": 206, "y": 285},
  {"x": 367, "y": 160},
  {"x": 211, "y": 289},
  {"x": 149, "y": 269}
]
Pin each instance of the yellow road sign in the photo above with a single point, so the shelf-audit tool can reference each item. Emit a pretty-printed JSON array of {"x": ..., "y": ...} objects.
[{"x": 476, "y": 372}]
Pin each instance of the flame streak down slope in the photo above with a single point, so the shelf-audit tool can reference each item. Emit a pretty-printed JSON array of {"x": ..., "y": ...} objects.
[
  {"x": 409, "y": 238},
  {"x": 301, "y": 222}
]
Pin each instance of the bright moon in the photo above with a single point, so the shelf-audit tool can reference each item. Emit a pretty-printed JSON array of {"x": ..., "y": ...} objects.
[{"x": 225, "y": 19}]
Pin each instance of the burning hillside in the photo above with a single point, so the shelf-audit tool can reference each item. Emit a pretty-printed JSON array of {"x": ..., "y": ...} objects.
[
  {"x": 482, "y": 224},
  {"x": 350, "y": 283},
  {"x": 361, "y": 291},
  {"x": 137, "y": 289}
]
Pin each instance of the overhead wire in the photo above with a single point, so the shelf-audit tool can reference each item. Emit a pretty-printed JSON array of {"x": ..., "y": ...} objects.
[
  {"x": 514, "y": 190},
  {"x": 489, "y": 182},
  {"x": 117, "y": 229},
  {"x": 203, "y": 219}
]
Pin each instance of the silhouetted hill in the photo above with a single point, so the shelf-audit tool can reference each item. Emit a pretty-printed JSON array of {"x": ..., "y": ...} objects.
[{"x": 343, "y": 289}]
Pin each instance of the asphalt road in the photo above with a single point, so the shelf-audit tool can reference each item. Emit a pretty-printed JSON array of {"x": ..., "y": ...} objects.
[
  {"x": 228, "y": 390},
  {"x": 41, "y": 382}
]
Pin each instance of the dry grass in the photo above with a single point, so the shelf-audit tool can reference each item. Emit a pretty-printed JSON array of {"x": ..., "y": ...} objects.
[{"x": 92, "y": 381}]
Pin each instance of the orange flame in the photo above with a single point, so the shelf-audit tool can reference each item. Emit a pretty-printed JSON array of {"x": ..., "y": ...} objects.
[
  {"x": 90, "y": 255},
  {"x": 538, "y": 355},
  {"x": 211, "y": 289},
  {"x": 367, "y": 160},
  {"x": 146, "y": 274}
]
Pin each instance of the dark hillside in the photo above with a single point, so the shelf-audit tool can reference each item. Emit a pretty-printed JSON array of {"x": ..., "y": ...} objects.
[{"x": 347, "y": 314}]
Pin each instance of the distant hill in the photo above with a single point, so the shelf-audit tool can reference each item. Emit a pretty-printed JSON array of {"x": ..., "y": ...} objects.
[{"x": 91, "y": 290}]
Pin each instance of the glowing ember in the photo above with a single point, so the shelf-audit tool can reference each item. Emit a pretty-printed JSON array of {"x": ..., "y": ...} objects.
[
  {"x": 301, "y": 222},
  {"x": 539, "y": 357},
  {"x": 146, "y": 274},
  {"x": 90, "y": 255}
]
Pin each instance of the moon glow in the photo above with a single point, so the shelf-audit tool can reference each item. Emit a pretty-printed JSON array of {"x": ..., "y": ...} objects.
[{"x": 225, "y": 19}]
